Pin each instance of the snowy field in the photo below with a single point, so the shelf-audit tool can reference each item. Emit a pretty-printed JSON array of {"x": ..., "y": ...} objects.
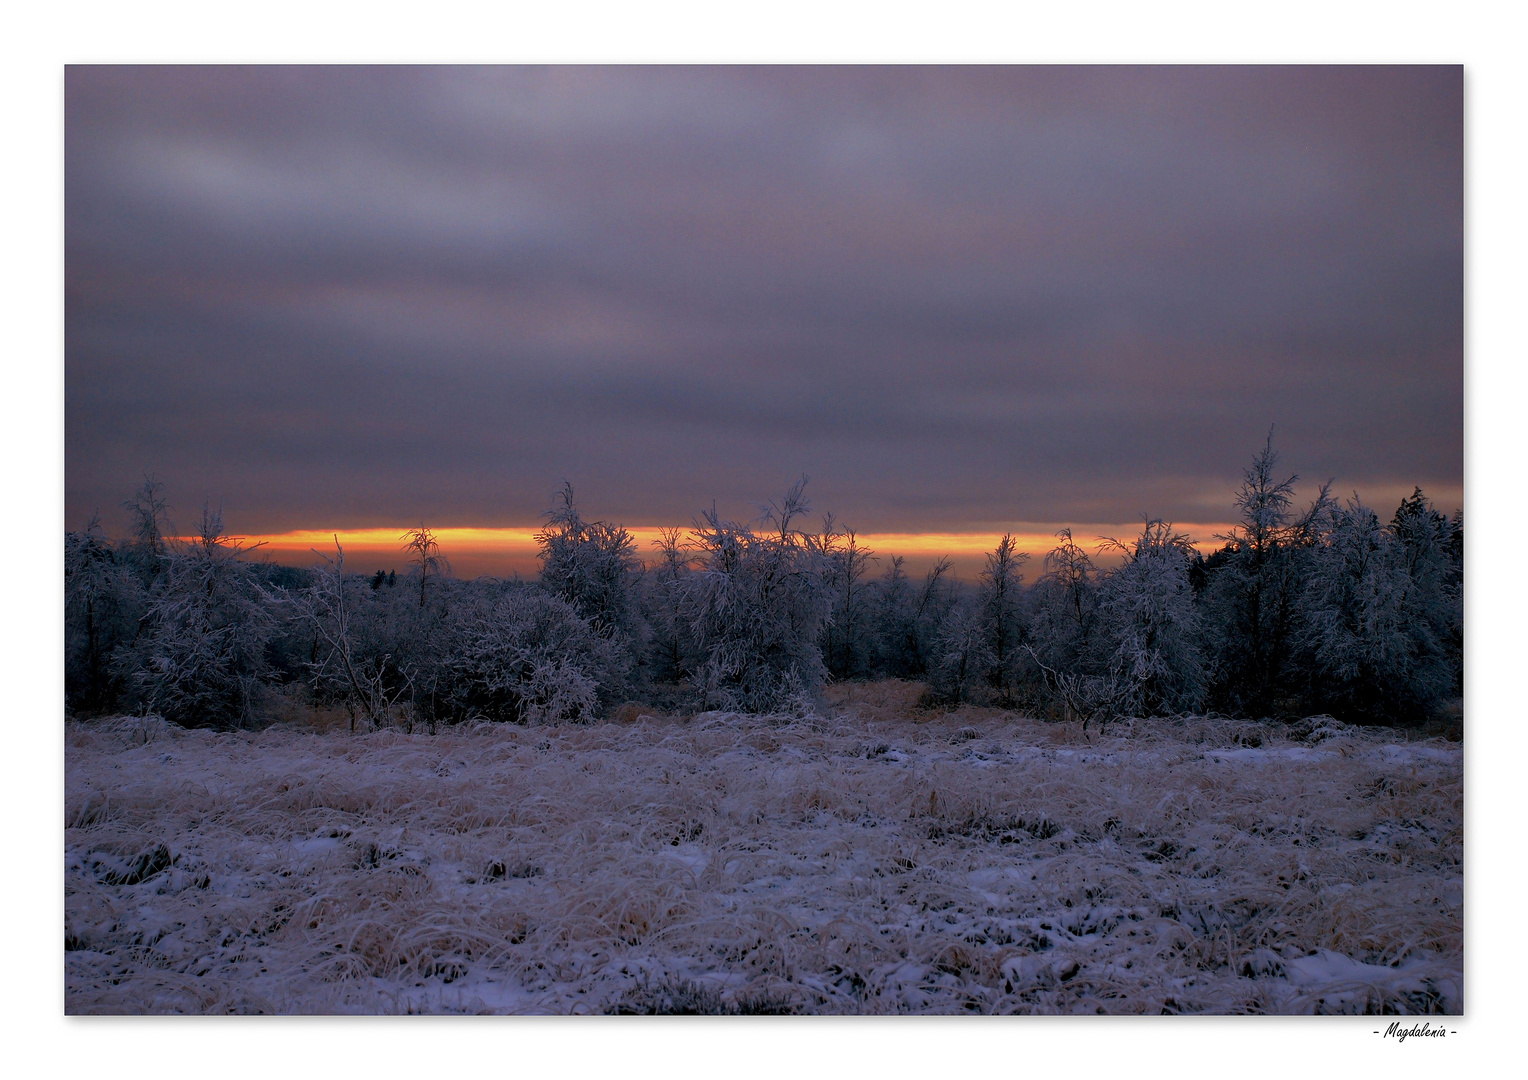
[{"x": 879, "y": 859}]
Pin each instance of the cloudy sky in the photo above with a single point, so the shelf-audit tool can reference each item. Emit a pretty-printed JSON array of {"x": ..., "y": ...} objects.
[{"x": 961, "y": 299}]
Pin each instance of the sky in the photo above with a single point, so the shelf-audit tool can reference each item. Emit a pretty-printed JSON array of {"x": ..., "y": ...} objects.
[{"x": 963, "y": 300}]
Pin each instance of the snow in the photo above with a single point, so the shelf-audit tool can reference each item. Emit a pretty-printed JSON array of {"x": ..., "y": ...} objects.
[
  {"x": 1250, "y": 756},
  {"x": 873, "y": 860}
]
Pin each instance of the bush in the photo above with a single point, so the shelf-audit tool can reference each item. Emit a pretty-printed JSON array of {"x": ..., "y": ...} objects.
[{"x": 529, "y": 658}]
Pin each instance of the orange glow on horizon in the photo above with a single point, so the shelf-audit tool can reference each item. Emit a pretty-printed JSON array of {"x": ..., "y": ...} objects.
[{"x": 503, "y": 551}]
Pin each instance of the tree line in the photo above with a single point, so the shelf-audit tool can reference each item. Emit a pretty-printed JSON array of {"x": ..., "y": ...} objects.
[{"x": 1325, "y": 609}]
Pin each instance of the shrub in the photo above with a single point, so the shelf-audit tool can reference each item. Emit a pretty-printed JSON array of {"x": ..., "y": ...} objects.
[{"x": 529, "y": 657}]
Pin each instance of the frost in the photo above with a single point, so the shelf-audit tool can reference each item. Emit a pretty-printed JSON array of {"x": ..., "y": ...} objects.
[{"x": 872, "y": 859}]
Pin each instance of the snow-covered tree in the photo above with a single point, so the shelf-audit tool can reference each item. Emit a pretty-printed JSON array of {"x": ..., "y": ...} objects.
[
  {"x": 425, "y": 558},
  {"x": 590, "y": 564},
  {"x": 906, "y": 618},
  {"x": 845, "y": 638},
  {"x": 209, "y": 620},
  {"x": 671, "y": 651},
  {"x": 1252, "y": 588},
  {"x": 1149, "y": 625},
  {"x": 148, "y": 508},
  {"x": 1063, "y": 605},
  {"x": 1380, "y": 608},
  {"x": 351, "y": 662},
  {"x": 961, "y": 660},
  {"x": 1001, "y": 616},
  {"x": 756, "y": 605},
  {"x": 103, "y": 601}
]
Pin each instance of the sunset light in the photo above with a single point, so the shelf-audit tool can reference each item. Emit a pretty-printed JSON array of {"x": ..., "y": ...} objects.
[{"x": 512, "y": 551}]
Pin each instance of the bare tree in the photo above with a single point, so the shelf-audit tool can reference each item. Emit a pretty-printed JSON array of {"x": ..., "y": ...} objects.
[
  {"x": 148, "y": 509},
  {"x": 370, "y": 686},
  {"x": 424, "y": 555}
]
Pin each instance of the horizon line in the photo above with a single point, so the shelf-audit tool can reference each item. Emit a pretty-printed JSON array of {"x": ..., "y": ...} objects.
[{"x": 479, "y": 550}]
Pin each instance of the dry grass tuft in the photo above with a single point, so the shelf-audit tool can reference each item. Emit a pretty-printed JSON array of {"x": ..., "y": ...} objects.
[{"x": 881, "y": 859}]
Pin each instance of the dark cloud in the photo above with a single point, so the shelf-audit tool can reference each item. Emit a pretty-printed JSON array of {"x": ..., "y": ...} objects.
[{"x": 958, "y": 297}]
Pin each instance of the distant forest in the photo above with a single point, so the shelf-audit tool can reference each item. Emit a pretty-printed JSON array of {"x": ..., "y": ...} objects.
[{"x": 1327, "y": 609}]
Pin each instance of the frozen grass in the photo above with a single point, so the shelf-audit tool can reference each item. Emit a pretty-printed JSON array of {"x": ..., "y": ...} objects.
[{"x": 878, "y": 860}]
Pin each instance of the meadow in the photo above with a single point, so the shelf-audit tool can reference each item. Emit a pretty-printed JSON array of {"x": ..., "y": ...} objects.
[{"x": 877, "y": 856}]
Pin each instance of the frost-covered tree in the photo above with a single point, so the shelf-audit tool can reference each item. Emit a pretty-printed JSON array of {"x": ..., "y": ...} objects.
[
  {"x": 425, "y": 558},
  {"x": 1379, "y": 610},
  {"x": 102, "y": 604},
  {"x": 1251, "y": 591},
  {"x": 1431, "y": 544},
  {"x": 1063, "y": 610},
  {"x": 1001, "y": 616},
  {"x": 671, "y": 650},
  {"x": 961, "y": 660},
  {"x": 845, "y": 638},
  {"x": 1064, "y": 602},
  {"x": 756, "y": 605},
  {"x": 351, "y": 661},
  {"x": 590, "y": 564},
  {"x": 906, "y": 618},
  {"x": 977, "y": 651},
  {"x": 148, "y": 508},
  {"x": 1433, "y": 547},
  {"x": 1149, "y": 624},
  {"x": 890, "y": 600},
  {"x": 209, "y": 621}
]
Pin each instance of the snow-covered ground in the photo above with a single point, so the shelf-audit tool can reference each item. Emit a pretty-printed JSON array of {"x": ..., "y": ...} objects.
[{"x": 879, "y": 859}]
